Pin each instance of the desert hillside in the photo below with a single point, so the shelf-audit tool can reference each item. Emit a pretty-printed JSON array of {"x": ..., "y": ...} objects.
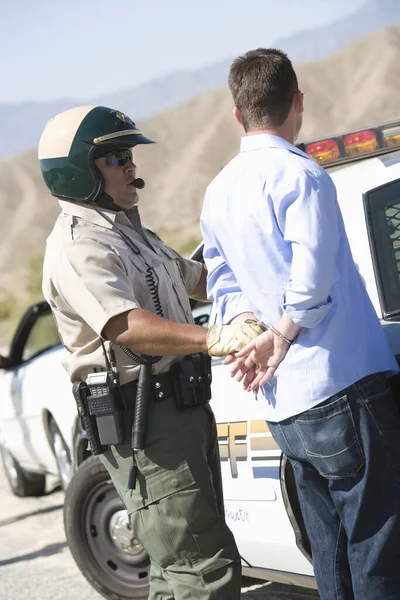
[{"x": 358, "y": 86}]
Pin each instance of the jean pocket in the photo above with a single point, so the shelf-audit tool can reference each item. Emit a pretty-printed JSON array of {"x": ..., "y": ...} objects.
[{"x": 330, "y": 439}]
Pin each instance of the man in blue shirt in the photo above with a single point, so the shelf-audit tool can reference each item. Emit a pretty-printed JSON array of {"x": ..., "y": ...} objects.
[{"x": 276, "y": 249}]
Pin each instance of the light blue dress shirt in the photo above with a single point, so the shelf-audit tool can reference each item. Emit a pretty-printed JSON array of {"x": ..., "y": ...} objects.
[{"x": 274, "y": 242}]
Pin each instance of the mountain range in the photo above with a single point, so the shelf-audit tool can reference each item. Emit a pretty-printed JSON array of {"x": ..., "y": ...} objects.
[
  {"x": 358, "y": 86},
  {"x": 22, "y": 123}
]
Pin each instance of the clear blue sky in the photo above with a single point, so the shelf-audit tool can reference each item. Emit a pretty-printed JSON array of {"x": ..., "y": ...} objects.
[{"x": 82, "y": 48}]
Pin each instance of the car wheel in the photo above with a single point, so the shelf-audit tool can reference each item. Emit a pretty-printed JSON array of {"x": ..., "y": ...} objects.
[
  {"x": 100, "y": 537},
  {"x": 62, "y": 455},
  {"x": 22, "y": 483}
]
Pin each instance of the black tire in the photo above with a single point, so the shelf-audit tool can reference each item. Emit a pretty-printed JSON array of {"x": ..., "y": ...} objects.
[
  {"x": 99, "y": 535},
  {"x": 22, "y": 483},
  {"x": 61, "y": 454}
]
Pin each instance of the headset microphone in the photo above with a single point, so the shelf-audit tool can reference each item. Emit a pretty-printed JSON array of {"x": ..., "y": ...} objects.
[{"x": 139, "y": 183}]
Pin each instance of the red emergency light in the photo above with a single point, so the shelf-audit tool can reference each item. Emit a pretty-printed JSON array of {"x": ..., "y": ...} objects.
[
  {"x": 323, "y": 151},
  {"x": 360, "y": 142},
  {"x": 354, "y": 145}
]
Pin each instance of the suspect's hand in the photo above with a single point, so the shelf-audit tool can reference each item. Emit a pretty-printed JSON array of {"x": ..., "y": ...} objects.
[
  {"x": 228, "y": 339},
  {"x": 257, "y": 362}
]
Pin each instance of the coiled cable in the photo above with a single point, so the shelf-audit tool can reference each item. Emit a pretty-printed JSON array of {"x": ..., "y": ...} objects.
[{"x": 153, "y": 287}]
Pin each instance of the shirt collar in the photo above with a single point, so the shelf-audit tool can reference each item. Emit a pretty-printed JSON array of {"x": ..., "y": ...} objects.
[
  {"x": 87, "y": 213},
  {"x": 260, "y": 141}
]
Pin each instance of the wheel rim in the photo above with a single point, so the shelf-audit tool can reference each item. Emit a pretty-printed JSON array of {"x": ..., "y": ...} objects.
[
  {"x": 62, "y": 458},
  {"x": 9, "y": 466},
  {"x": 111, "y": 540}
]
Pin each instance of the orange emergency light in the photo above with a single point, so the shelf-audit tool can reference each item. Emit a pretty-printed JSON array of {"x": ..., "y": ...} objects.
[{"x": 391, "y": 136}]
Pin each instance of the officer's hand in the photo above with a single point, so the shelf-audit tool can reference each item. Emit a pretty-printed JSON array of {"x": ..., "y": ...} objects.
[{"x": 228, "y": 339}]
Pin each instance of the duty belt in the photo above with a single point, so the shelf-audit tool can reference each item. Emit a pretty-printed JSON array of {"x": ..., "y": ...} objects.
[
  {"x": 161, "y": 389},
  {"x": 188, "y": 382}
]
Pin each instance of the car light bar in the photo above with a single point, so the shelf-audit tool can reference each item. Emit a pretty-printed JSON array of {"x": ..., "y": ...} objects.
[{"x": 354, "y": 145}]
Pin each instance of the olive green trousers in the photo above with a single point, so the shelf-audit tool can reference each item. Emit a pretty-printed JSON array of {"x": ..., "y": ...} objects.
[{"x": 177, "y": 509}]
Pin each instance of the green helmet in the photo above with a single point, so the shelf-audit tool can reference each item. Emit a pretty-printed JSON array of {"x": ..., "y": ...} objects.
[{"x": 73, "y": 139}]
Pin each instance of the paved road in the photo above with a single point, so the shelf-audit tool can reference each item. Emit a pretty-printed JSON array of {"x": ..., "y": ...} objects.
[{"x": 35, "y": 563}]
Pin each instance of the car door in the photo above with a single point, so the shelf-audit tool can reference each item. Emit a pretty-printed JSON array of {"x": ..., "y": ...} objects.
[{"x": 24, "y": 388}]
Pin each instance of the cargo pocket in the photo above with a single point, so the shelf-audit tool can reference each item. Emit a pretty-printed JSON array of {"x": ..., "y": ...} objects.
[
  {"x": 174, "y": 520},
  {"x": 118, "y": 461},
  {"x": 330, "y": 439}
]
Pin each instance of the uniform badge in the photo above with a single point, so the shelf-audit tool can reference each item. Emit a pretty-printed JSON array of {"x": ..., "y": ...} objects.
[{"x": 123, "y": 118}]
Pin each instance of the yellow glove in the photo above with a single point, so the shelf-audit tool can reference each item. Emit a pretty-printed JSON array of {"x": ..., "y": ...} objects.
[{"x": 228, "y": 339}]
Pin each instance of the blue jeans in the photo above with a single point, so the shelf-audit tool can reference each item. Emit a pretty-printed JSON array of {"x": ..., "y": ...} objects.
[{"x": 345, "y": 454}]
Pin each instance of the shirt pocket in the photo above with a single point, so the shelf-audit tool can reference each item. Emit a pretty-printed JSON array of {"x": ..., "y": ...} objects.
[
  {"x": 330, "y": 439},
  {"x": 146, "y": 259},
  {"x": 173, "y": 259}
]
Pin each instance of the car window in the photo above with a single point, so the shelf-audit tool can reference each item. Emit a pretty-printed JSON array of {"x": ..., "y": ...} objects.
[
  {"x": 383, "y": 209},
  {"x": 42, "y": 336},
  {"x": 201, "y": 313}
]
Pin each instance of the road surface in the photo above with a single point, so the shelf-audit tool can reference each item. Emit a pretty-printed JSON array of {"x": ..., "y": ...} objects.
[{"x": 35, "y": 563}]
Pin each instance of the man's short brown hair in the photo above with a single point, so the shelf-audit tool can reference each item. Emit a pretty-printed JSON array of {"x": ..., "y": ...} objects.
[{"x": 262, "y": 83}]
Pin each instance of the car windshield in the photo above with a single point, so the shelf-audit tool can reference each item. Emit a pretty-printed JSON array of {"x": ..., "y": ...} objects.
[
  {"x": 42, "y": 336},
  {"x": 383, "y": 211}
]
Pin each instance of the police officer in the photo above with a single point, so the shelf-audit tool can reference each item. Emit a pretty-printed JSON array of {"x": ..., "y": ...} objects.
[{"x": 118, "y": 292}]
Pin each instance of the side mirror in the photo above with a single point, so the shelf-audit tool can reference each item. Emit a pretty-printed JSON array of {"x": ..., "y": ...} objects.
[{"x": 5, "y": 362}]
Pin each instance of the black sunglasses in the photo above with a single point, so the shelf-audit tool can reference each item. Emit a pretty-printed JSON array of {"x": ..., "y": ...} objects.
[{"x": 118, "y": 158}]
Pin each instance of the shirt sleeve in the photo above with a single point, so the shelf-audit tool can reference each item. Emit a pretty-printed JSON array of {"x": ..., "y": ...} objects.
[
  {"x": 93, "y": 281},
  {"x": 222, "y": 286},
  {"x": 309, "y": 218}
]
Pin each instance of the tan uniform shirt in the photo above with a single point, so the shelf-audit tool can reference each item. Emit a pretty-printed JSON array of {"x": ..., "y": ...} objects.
[{"x": 91, "y": 275}]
